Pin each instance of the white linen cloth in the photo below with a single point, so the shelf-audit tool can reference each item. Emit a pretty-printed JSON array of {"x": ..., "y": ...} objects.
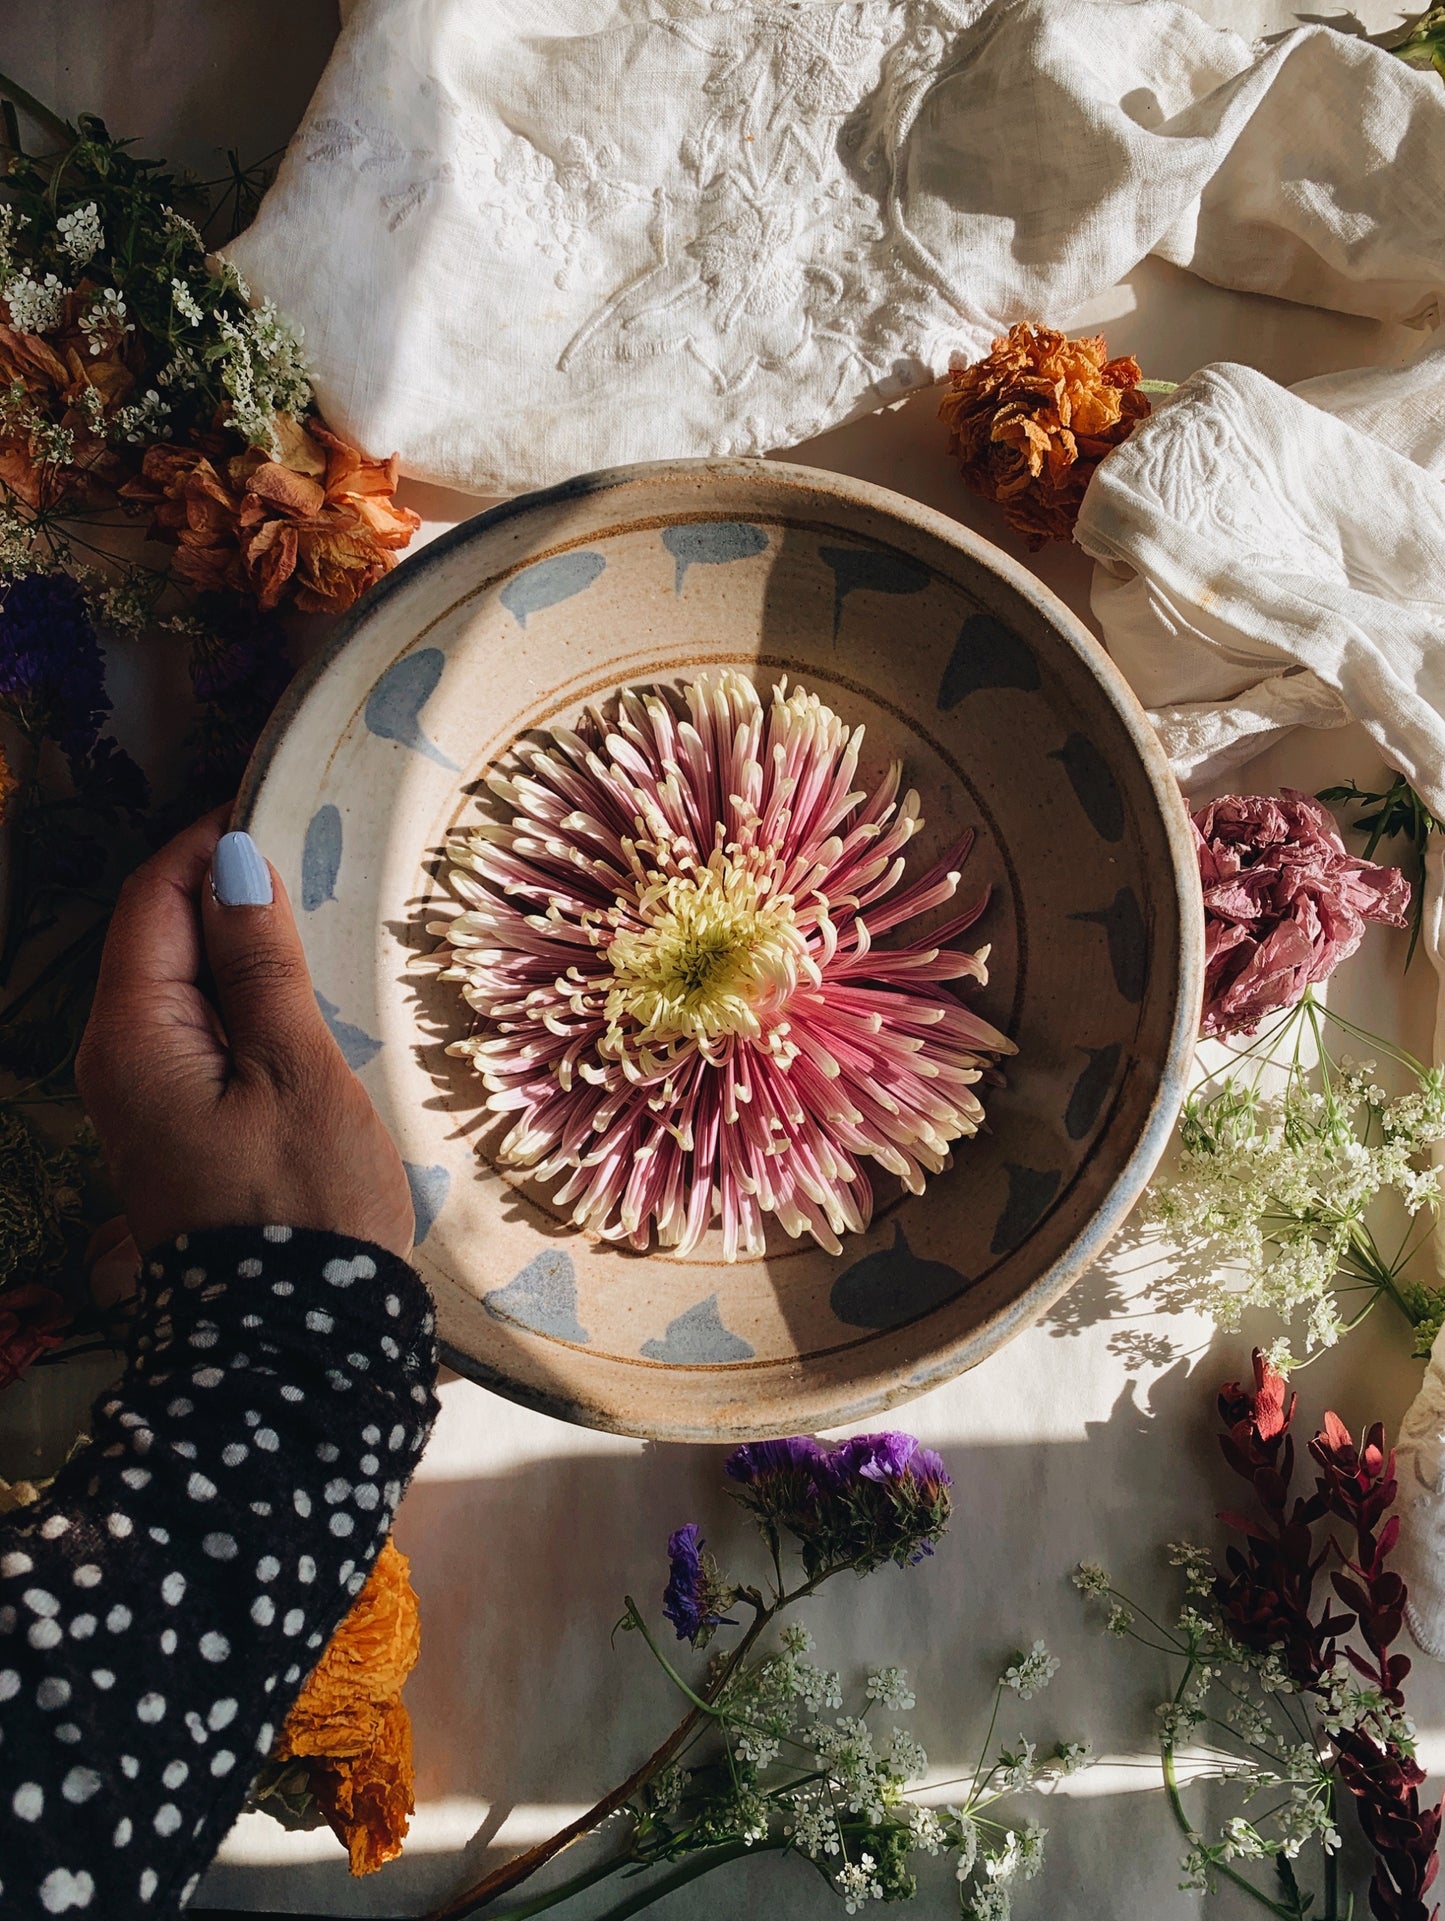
[
  {"x": 532, "y": 239},
  {"x": 1272, "y": 558}
]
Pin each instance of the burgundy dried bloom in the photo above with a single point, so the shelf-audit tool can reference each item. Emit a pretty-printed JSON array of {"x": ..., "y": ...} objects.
[
  {"x": 33, "y": 1319},
  {"x": 1284, "y": 904}
]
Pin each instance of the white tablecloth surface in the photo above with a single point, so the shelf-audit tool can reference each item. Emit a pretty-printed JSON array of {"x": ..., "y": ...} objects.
[{"x": 1090, "y": 1436}]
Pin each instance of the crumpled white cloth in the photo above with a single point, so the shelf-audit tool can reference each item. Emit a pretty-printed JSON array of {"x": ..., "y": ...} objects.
[
  {"x": 530, "y": 239},
  {"x": 1272, "y": 558}
]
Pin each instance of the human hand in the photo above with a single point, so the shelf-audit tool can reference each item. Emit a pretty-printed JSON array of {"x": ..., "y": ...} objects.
[{"x": 218, "y": 1093}]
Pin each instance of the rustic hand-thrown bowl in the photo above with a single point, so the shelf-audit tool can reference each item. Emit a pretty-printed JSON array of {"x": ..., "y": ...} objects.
[{"x": 1009, "y": 718}]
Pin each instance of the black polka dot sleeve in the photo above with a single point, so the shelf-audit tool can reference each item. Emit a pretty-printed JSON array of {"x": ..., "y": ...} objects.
[{"x": 161, "y": 1608}]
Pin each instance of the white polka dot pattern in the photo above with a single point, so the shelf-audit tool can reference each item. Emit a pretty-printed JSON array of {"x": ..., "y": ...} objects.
[{"x": 263, "y": 1461}]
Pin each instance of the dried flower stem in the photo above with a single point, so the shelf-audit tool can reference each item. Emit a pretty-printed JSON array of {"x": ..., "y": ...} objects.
[{"x": 501, "y": 1880}]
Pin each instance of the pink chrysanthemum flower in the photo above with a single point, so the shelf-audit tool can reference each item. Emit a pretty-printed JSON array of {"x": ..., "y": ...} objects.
[{"x": 670, "y": 948}]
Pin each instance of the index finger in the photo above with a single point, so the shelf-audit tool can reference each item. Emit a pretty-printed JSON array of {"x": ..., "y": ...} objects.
[{"x": 155, "y": 933}]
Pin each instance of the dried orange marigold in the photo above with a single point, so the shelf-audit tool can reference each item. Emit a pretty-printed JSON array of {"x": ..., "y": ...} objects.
[
  {"x": 349, "y": 1724},
  {"x": 1031, "y": 421}
]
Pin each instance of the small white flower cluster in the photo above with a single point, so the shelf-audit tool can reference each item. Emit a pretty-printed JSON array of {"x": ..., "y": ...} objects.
[
  {"x": 1271, "y": 1194},
  {"x": 665, "y": 1791},
  {"x": 889, "y": 1688},
  {"x": 1305, "y": 1817},
  {"x": 1345, "y": 1705},
  {"x": 182, "y": 371},
  {"x": 1089, "y": 1578},
  {"x": 142, "y": 420},
  {"x": 1020, "y": 1857},
  {"x": 184, "y": 302},
  {"x": 262, "y": 371},
  {"x": 79, "y": 233},
  {"x": 124, "y": 606},
  {"x": 858, "y": 1883},
  {"x": 35, "y": 305},
  {"x": 1197, "y": 1566},
  {"x": 1177, "y": 1721},
  {"x": 104, "y": 320},
  {"x": 177, "y": 223},
  {"x": 928, "y": 1832},
  {"x": 12, "y": 221},
  {"x": 1072, "y": 1757},
  {"x": 1017, "y": 1768},
  {"x": 1029, "y": 1674},
  {"x": 814, "y": 1827}
]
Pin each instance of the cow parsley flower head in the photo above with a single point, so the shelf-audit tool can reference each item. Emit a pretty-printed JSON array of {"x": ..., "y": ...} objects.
[
  {"x": 890, "y": 1689},
  {"x": 989, "y": 1903},
  {"x": 1016, "y": 1768},
  {"x": 1089, "y": 1578},
  {"x": 80, "y": 234},
  {"x": 185, "y": 303},
  {"x": 1029, "y": 1674},
  {"x": 906, "y": 1759},
  {"x": 104, "y": 321},
  {"x": 926, "y": 1830},
  {"x": 814, "y": 1828},
  {"x": 965, "y": 1841},
  {"x": 858, "y": 1883},
  {"x": 1072, "y": 1757},
  {"x": 35, "y": 305}
]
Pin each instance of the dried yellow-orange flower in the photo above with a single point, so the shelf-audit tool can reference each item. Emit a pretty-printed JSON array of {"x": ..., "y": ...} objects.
[
  {"x": 1031, "y": 421},
  {"x": 317, "y": 524},
  {"x": 349, "y": 1723}
]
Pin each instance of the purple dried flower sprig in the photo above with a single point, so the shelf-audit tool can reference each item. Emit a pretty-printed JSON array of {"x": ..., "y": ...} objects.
[{"x": 696, "y": 1595}]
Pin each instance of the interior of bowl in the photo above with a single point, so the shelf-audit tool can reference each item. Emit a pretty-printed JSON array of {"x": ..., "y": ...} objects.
[{"x": 1008, "y": 720}]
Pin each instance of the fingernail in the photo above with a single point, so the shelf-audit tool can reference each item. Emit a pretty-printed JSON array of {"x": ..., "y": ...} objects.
[{"x": 239, "y": 876}]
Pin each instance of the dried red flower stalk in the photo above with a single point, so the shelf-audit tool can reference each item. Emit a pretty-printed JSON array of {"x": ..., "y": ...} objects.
[
  {"x": 1267, "y": 1594},
  {"x": 1265, "y": 1599}
]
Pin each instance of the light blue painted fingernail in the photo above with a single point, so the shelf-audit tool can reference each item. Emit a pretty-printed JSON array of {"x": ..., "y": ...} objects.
[{"x": 239, "y": 876}]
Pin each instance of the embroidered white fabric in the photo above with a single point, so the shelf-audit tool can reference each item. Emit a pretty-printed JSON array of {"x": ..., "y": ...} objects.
[
  {"x": 1270, "y": 559},
  {"x": 531, "y": 239}
]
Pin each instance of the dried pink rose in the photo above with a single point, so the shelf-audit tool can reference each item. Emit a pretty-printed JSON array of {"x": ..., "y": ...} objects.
[{"x": 1284, "y": 904}]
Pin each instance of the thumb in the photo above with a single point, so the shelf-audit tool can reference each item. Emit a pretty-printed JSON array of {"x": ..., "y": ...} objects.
[{"x": 262, "y": 982}]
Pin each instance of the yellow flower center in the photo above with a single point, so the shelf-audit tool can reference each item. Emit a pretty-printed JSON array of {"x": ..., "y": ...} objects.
[{"x": 715, "y": 953}]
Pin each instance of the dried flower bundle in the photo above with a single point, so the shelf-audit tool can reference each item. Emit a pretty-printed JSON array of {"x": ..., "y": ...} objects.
[
  {"x": 1030, "y": 422},
  {"x": 792, "y": 1766},
  {"x": 138, "y": 381},
  {"x": 1289, "y": 1684},
  {"x": 671, "y": 951}
]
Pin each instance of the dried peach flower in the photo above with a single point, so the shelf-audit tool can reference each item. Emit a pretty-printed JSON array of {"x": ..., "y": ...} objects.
[
  {"x": 57, "y": 397},
  {"x": 318, "y": 524},
  {"x": 1031, "y": 421},
  {"x": 349, "y": 1723}
]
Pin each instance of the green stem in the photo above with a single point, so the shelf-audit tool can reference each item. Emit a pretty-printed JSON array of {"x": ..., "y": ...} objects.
[
  {"x": 691, "y": 1870},
  {"x": 1191, "y": 1834},
  {"x": 635, "y": 1614},
  {"x": 59, "y": 129},
  {"x": 565, "y": 1890}
]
